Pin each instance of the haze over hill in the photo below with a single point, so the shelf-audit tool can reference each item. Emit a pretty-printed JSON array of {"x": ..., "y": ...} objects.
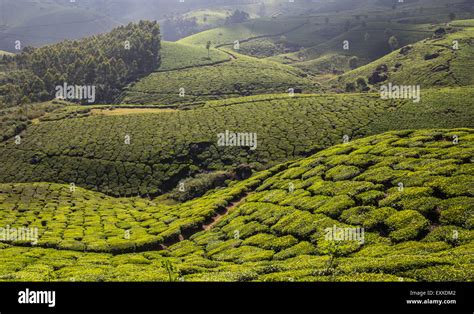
[{"x": 220, "y": 140}]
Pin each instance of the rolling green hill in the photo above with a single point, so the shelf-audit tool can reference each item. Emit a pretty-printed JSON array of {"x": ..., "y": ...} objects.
[
  {"x": 169, "y": 146},
  {"x": 368, "y": 43},
  {"x": 431, "y": 62},
  {"x": 3, "y": 53},
  {"x": 329, "y": 183},
  {"x": 411, "y": 191},
  {"x": 242, "y": 31},
  {"x": 176, "y": 56},
  {"x": 242, "y": 76},
  {"x": 317, "y": 34}
]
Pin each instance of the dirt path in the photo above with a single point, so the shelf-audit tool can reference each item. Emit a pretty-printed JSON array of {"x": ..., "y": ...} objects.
[{"x": 219, "y": 216}]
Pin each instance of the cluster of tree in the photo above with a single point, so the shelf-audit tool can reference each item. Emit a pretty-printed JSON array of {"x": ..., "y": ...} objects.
[
  {"x": 237, "y": 16},
  {"x": 360, "y": 85},
  {"x": 108, "y": 62}
]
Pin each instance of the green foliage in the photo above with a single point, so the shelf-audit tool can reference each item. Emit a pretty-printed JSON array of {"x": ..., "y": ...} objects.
[
  {"x": 302, "y": 248},
  {"x": 368, "y": 217},
  {"x": 342, "y": 172},
  {"x": 194, "y": 187},
  {"x": 242, "y": 76},
  {"x": 95, "y": 154},
  {"x": 175, "y": 56},
  {"x": 458, "y": 211},
  {"x": 108, "y": 61},
  {"x": 406, "y": 225},
  {"x": 408, "y": 64},
  {"x": 244, "y": 254},
  {"x": 271, "y": 242}
]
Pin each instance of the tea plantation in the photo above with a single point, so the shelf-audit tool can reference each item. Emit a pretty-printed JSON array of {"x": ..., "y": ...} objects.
[
  {"x": 411, "y": 191},
  {"x": 242, "y": 76},
  {"x": 177, "y": 56},
  {"x": 150, "y": 153},
  {"x": 443, "y": 60},
  {"x": 259, "y": 150}
]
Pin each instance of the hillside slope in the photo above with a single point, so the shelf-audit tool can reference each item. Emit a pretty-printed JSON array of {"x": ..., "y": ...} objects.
[
  {"x": 411, "y": 191},
  {"x": 176, "y": 56},
  {"x": 242, "y": 76},
  {"x": 444, "y": 60},
  {"x": 151, "y": 153}
]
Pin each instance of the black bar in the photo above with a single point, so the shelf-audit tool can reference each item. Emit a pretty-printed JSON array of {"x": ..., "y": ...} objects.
[{"x": 240, "y": 297}]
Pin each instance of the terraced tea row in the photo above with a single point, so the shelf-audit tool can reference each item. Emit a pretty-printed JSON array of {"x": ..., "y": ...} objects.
[
  {"x": 411, "y": 191},
  {"x": 71, "y": 218},
  {"x": 398, "y": 186},
  {"x": 150, "y": 153},
  {"x": 243, "y": 76},
  {"x": 177, "y": 56},
  {"x": 96, "y": 155},
  {"x": 410, "y": 261},
  {"x": 443, "y": 60}
]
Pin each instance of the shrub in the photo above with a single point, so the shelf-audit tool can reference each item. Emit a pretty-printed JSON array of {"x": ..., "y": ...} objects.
[
  {"x": 302, "y": 248},
  {"x": 337, "y": 248},
  {"x": 194, "y": 187},
  {"x": 458, "y": 211},
  {"x": 408, "y": 193},
  {"x": 299, "y": 223},
  {"x": 244, "y": 254},
  {"x": 370, "y": 197},
  {"x": 443, "y": 273},
  {"x": 335, "y": 206},
  {"x": 353, "y": 62},
  {"x": 342, "y": 172},
  {"x": 424, "y": 205},
  {"x": 454, "y": 186},
  {"x": 367, "y": 216},
  {"x": 271, "y": 242},
  {"x": 350, "y": 87},
  {"x": 406, "y": 225},
  {"x": 219, "y": 246},
  {"x": 453, "y": 235},
  {"x": 309, "y": 203},
  {"x": 362, "y": 84},
  {"x": 184, "y": 248},
  {"x": 378, "y": 175},
  {"x": 247, "y": 230}
]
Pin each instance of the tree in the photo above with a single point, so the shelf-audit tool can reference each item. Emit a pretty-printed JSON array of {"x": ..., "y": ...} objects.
[
  {"x": 353, "y": 62},
  {"x": 393, "y": 42},
  {"x": 361, "y": 84},
  {"x": 237, "y": 17},
  {"x": 350, "y": 87},
  {"x": 208, "y": 47}
]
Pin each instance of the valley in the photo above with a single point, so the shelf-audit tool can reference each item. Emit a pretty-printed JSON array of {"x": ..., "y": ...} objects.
[{"x": 224, "y": 141}]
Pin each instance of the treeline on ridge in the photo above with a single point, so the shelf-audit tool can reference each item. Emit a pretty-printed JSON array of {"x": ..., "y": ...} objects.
[{"x": 107, "y": 61}]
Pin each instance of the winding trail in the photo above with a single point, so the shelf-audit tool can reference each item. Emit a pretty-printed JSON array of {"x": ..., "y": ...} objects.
[
  {"x": 221, "y": 214},
  {"x": 213, "y": 221}
]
